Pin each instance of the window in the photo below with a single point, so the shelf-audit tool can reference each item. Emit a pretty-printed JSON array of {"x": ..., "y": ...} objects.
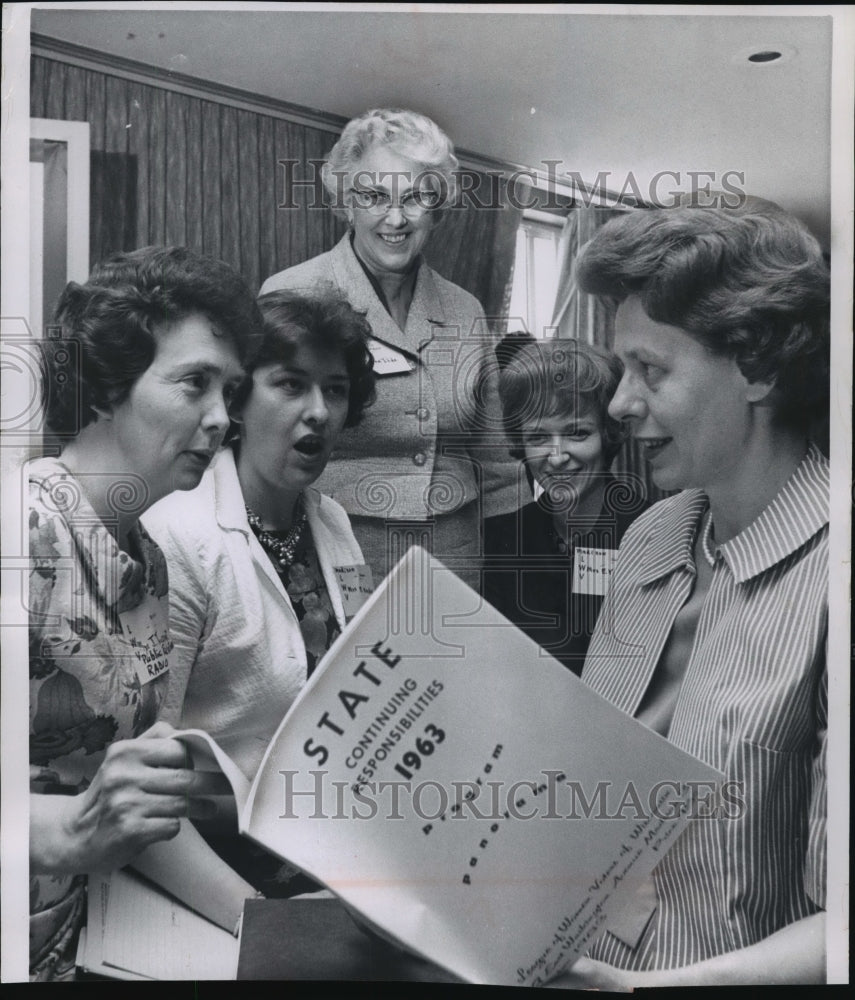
[{"x": 537, "y": 268}]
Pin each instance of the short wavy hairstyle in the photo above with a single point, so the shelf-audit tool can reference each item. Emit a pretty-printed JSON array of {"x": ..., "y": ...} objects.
[
  {"x": 566, "y": 378},
  {"x": 323, "y": 321},
  {"x": 407, "y": 133},
  {"x": 105, "y": 330},
  {"x": 749, "y": 284}
]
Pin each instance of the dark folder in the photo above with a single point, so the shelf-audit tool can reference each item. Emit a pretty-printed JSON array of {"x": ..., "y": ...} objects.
[{"x": 318, "y": 939}]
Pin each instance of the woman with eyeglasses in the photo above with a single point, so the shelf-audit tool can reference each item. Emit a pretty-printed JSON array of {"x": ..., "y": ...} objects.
[{"x": 429, "y": 460}]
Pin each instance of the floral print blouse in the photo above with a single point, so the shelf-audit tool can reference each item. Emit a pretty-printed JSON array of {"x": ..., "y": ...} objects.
[{"x": 99, "y": 669}]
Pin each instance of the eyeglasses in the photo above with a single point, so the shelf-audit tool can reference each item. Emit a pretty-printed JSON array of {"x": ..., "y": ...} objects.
[{"x": 413, "y": 205}]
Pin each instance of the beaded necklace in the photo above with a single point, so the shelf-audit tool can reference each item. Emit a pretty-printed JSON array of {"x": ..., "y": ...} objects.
[{"x": 281, "y": 549}]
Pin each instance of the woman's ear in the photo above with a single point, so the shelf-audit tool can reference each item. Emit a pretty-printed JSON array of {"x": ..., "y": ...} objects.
[{"x": 759, "y": 392}]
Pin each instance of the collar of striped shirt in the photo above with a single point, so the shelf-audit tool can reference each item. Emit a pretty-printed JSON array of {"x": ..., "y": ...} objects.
[{"x": 790, "y": 520}]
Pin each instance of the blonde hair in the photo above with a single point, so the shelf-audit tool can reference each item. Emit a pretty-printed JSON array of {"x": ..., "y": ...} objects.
[{"x": 407, "y": 133}]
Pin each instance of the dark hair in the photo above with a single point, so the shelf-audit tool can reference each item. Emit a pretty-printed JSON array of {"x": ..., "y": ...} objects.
[
  {"x": 323, "y": 321},
  {"x": 106, "y": 336},
  {"x": 752, "y": 285},
  {"x": 540, "y": 378}
]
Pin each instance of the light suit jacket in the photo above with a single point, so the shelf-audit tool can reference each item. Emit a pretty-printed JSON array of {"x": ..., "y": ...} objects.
[
  {"x": 433, "y": 441},
  {"x": 239, "y": 659}
]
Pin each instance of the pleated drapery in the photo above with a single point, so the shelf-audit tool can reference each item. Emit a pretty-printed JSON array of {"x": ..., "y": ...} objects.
[
  {"x": 577, "y": 315},
  {"x": 474, "y": 247}
]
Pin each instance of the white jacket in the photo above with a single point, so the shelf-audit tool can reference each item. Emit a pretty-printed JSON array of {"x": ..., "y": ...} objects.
[{"x": 239, "y": 659}]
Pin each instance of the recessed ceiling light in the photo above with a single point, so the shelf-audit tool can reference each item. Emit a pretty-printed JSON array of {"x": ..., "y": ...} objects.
[{"x": 764, "y": 55}]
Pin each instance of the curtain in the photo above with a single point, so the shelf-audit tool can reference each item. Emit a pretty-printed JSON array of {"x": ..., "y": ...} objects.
[
  {"x": 584, "y": 317},
  {"x": 474, "y": 247},
  {"x": 577, "y": 315}
]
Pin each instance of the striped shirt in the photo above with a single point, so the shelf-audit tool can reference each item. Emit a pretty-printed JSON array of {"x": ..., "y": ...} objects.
[{"x": 753, "y": 703}]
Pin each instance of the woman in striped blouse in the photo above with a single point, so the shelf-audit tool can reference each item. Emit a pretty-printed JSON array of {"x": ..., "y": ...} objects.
[{"x": 714, "y": 630}]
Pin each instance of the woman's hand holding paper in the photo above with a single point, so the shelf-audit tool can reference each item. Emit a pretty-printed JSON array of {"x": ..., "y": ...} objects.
[{"x": 137, "y": 797}]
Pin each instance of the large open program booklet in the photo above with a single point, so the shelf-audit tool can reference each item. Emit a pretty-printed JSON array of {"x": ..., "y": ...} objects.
[{"x": 463, "y": 791}]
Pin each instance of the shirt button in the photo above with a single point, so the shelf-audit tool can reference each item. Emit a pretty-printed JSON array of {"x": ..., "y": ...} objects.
[
  {"x": 419, "y": 458},
  {"x": 422, "y": 413}
]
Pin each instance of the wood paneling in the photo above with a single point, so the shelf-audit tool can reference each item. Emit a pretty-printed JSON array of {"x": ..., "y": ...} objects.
[
  {"x": 229, "y": 182},
  {"x": 157, "y": 179},
  {"x": 138, "y": 146},
  {"x": 268, "y": 256},
  {"x": 175, "y": 159},
  {"x": 211, "y": 193},
  {"x": 248, "y": 191},
  {"x": 193, "y": 187}
]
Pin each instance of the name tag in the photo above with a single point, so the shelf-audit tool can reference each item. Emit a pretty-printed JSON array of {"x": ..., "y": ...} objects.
[
  {"x": 145, "y": 629},
  {"x": 592, "y": 569},
  {"x": 355, "y": 584},
  {"x": 388, "y": 361}
]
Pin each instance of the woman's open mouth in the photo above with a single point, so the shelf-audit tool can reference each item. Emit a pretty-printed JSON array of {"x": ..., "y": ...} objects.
[
  {"x": 310, "y": 446},
  {"x": 393, "y": 239}
]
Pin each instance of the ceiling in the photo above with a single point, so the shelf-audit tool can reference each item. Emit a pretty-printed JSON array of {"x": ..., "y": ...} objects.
[{"x": 629, "y": 94}]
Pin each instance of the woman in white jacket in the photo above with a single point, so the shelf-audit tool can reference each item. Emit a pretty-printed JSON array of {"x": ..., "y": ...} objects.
[{"x": 257, "y": 557}]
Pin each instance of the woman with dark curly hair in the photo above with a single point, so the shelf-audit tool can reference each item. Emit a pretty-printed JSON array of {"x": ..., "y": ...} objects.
[
  {"x": 262, "y": 567},
  {"x": 137, "y": 389},
  {"x": 715, "y": 628},
  {"x": 257, "y": 557},
  {"x": 546, "y": 565}
]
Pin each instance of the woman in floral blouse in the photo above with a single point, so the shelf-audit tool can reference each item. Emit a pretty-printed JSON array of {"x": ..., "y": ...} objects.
[{"x": 136, "y": 392}]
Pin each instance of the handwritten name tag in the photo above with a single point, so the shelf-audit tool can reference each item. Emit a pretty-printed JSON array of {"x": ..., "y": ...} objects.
[
  {"x": 592, "y": 569},
  {"x": 388, "y": 361},
  {"x": 355, "y": 584},
  {"x": 146, "y": 631}
]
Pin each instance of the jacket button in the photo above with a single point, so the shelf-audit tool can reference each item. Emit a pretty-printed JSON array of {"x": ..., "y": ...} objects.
[
  {"x": 419, "y": 458},
  {"x": 423, "y": 413}
]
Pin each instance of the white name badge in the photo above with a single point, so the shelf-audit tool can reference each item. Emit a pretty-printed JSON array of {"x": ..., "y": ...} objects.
[
  {"x": 592, "y": 569},
  {"x": 355, "y": 584},
  {"x": 388, "y": 361},
  {"x": 146, "y": 630}
]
